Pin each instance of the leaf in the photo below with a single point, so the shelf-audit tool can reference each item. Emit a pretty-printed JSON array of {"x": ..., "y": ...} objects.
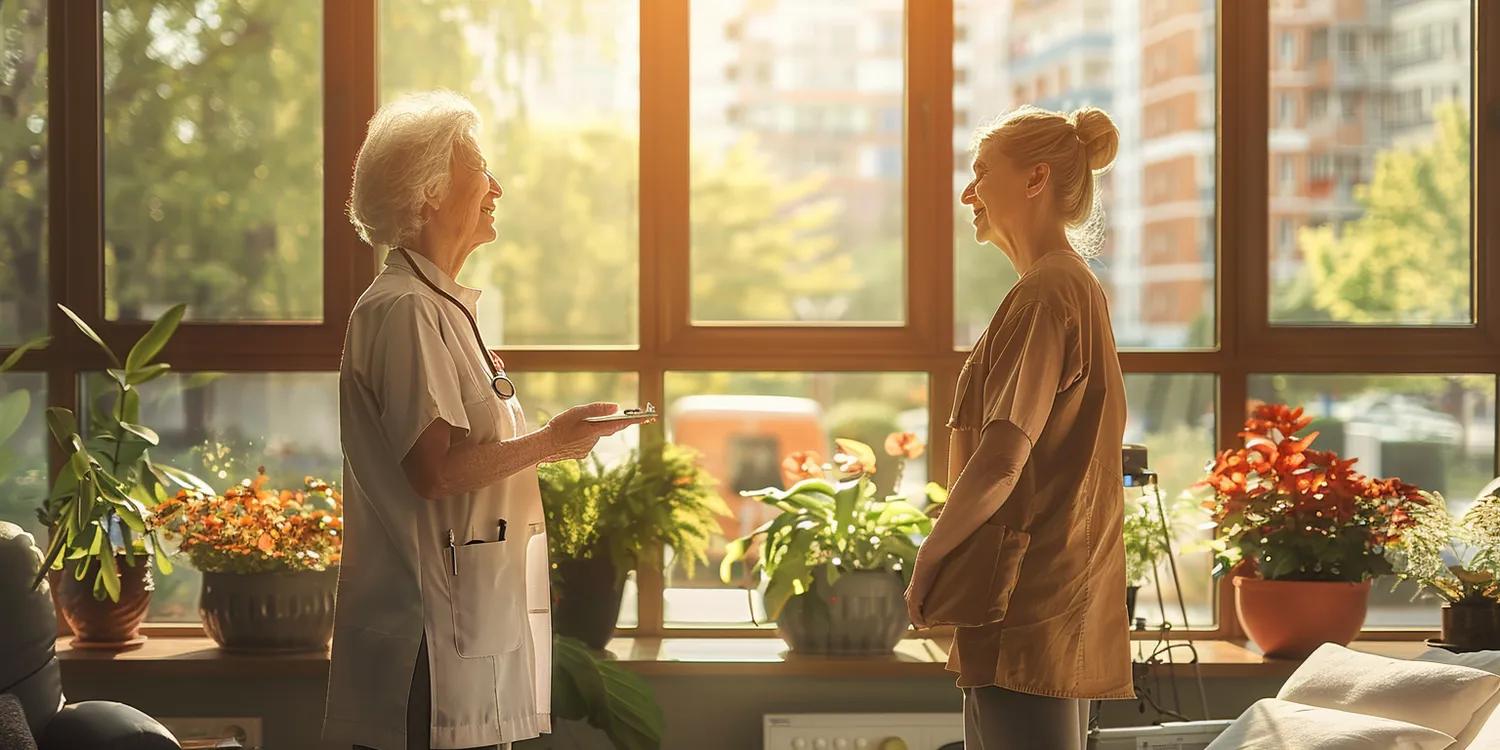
[
  {"x": 110, "y": 574},
  {"x": 87, "y": 331},
  {"x": 36, "y": 343},
  {"x": 13, "y": 409},
  {"x": 610, "y": 698},
  {"x": 145, "y": 433},
  {"x": 155, "y": 548},
  {"x": 147, "y": 374},
  {"x": 155, "y": 339},
  {"x": 185, "y": 479},
  {"x": 63, "y": 425},
  {"x": 733, "y": 552}
]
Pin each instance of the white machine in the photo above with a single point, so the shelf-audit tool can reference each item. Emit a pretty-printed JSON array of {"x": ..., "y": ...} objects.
[
  {"x": 864, "y": 732},
  {"x": 1171, "y": 735}
]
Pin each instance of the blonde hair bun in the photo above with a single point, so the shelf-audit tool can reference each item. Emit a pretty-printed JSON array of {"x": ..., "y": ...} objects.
[{"x": 1100, "y": 137}]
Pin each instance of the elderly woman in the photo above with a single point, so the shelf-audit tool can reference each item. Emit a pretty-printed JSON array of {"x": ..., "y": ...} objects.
[
  {"x": 1027, "y": 558},
  {"x": 442, "y": 637}
]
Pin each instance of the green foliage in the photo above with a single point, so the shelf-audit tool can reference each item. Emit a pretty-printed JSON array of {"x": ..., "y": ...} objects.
[
  {"x": 1146, "y": 534},
  {"x": 1407, "y": 258},
  {"x": 606, "y": 696},
  {"x": 832, "y": 527},
  {"x": 626, "y": 510},
  {"x": 14, "y": 407},
  {"x": 1472, "y": 543},
  {"x": 100, "y": 502}
]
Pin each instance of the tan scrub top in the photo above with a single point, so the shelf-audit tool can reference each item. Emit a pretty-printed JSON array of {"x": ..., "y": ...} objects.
[{"x": 1047, "y": 364}]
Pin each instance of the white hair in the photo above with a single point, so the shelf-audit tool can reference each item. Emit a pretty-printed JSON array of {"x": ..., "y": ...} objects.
[{"x": 405, "y": 162}]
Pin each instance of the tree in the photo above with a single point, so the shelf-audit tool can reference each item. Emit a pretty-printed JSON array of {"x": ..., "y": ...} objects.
[{"x": 1407, "y": 258}]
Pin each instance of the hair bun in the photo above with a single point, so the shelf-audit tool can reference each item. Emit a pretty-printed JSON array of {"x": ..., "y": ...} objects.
[{"x": 1100, "y": 137}]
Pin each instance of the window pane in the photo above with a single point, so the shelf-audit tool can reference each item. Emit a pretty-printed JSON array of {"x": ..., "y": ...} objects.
[
  {"x": 1376, "y": 230},
  {"x": 544, "y": 394},
  {"x": 1434, "y": 431},
  {"x": 797, "y": 161},
  {"x": 744, "y": 423},
  {"x": 23, "y": 172},
  {"x": 1152, "y": 67},
  {"x": 1173, "y": 416},
  {"x": 221, "y": 427},
  {"x": 559, "y": 91},
  {"x": 213, "y": 159},
  {"x": 23, "y": 454}
]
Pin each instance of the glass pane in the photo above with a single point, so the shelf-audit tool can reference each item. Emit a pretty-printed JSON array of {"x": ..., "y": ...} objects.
[
  {"x": 1434, "y": 431},
  {"x": 558, "y": 88},
  {"x": 744, "y": 423},
  {"x": 222, "y": 427},
  {"x": 1370, "y": 217},
  {"x": 1152, "y": 67},
  {"x": 23, "y": 453},
  {"x": 213, "y": 159},
  {"x": 1173, "y": 416},
  {"x": 544, "y": 394},
  {"x": 797, "y": 161},
  {"x": 23, "y": 172}
]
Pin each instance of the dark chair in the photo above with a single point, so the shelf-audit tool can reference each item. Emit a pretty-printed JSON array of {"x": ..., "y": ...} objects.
[{"x": 29, "y": 670}]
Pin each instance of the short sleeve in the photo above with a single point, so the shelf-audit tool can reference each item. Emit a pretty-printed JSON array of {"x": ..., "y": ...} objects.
[
  {"x": 1026, "y": 357},
  {"x": 413, "y": 374}
]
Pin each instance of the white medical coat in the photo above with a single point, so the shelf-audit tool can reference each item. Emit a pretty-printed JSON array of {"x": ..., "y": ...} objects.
[{"x": 410, "y": 358}]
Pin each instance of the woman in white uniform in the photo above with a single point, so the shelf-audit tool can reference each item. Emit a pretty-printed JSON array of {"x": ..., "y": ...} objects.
[{"x": 442, "y": 637}]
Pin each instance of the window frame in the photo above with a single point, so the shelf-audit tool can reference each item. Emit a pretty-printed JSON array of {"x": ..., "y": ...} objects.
[{"x": 669, "y": 340}]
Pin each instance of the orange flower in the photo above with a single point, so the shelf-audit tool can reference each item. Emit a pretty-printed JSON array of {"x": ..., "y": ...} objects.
[
  {"x": 904, "y": 445},
  {"x": 265, "y": 543},
  {"x": 800, "y": 465},
  {"x": 854, "y": 457}
]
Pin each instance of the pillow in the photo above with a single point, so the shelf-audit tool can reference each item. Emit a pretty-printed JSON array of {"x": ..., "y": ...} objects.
[
  {"x": 1273, "y": 724},
  {"x": 1487, "y": 661},
  {"x": 1444, "y": 697}
]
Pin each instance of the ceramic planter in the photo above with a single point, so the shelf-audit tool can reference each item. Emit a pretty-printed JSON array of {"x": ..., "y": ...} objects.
[
  {"x": 107, "y": 624},
  {"x": 1291, "y": 619},
  {"x": 586, "y": 602},
  {"x": 269, "y": 612},
  {"x": 1471, "y": 626},
  {"x": 863, "y": 613}
]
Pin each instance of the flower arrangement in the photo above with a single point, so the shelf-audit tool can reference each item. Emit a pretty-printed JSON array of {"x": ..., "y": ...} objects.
[
  {"x": 1456, "y": 558},
  {"x": 1301, "y": 514},
  {"x": 829, "y": 526},
  {"x": 252, "y": 529}
]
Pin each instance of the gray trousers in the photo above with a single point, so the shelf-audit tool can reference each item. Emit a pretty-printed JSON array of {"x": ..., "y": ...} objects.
[
  {"x": 1000, "y": 719},
  {"x": 419, "y": 708}
]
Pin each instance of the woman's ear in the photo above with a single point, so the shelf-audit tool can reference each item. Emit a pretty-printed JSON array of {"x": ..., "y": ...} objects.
[{"x": 1038, "y": 180}]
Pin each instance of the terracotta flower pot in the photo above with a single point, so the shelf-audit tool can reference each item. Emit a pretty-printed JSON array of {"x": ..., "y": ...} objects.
[
  {"x": 105, "y": 624},
  {"x": 1291, "y": 619}
]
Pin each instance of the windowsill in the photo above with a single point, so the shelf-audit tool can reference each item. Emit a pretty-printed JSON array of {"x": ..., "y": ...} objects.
[{"x": 674, "y": 657}]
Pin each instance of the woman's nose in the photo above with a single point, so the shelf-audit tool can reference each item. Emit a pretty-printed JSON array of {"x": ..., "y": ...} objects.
[
  {"x": 969, "y": 197},
  {"x": 494, "y": 184}
]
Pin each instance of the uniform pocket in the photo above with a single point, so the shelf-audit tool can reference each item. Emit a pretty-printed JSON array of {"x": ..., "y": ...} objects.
[
  {"x": 975, "y": 584},
  {"x": 487, "y": 599}
]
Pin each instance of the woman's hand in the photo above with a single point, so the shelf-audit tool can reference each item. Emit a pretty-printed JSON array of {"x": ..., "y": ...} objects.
[
  {"x": 570, "y": 436},
  {"x": 921, "y": 582}
]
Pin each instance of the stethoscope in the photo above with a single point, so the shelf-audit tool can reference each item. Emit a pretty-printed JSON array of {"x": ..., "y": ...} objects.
[{"x": 498, "y": 382}]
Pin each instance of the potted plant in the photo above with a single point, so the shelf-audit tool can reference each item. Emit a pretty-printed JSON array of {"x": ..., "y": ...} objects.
[
  {"x": 101, "y": 499},
  {"x": 1458, "y": 559},
  {"x": 836, "y": 561},
  {"x": 269, "y": 561},
  {"x": 1302, "y": 532},
  {"x": 594, "y": 690},
  {"x": 604, "y": 521},
  {"x": 1145, "y": 545}
]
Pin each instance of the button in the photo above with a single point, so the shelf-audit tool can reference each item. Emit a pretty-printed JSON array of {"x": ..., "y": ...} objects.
[
  {"x": 841, "y": 744},
  {"x": 799, "y": 743},
  {"x": 861, "y": 744},
  {"x": 893, "y": 743},
  {"x": 820, "y": 743}
]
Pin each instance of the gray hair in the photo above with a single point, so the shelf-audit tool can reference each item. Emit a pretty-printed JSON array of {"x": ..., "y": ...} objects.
[{"x": 405, "y": 162}]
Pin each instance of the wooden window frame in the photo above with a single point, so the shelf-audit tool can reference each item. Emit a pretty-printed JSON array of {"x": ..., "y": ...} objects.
[{"x": 670, "y": 341}]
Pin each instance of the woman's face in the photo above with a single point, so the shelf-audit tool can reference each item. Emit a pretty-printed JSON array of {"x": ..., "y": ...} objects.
[
  {"x": 1000, "y": 195},
  {"x": 466, "y": 215}
]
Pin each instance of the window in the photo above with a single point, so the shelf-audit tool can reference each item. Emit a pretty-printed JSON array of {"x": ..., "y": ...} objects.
[
  {"x": 745, "y": 241},
  {"x": 24, "y": 306},
  {"x": 1382, "y": 229}
]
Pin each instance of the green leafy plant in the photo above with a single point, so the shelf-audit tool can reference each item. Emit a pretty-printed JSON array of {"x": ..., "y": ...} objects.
[
  {"x": 1456, "y": 558},
  {"x": 1147, "y": 532},
  {"x": 14, "y": 407},
  {"x": 626, "y": 510},
  {"x": 102, "y": 497},
  {"x": 606, "y": 696},
  {"x": 827, "y": 528}
]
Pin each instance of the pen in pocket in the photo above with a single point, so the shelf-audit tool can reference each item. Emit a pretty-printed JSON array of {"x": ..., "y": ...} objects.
[{"x": 453, "y": 550}]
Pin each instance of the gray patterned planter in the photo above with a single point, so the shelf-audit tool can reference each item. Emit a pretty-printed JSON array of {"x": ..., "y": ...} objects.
[
  {"x": 269, "y": 612},
  {"x": 862, "y": 614}
]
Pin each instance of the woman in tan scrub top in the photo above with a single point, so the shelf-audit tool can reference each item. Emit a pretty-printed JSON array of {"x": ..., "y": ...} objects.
[{"x": 1027, "y": 557}]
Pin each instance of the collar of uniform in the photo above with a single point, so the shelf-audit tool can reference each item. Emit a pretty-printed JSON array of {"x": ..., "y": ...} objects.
[{"x": 467, "y": 295}]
